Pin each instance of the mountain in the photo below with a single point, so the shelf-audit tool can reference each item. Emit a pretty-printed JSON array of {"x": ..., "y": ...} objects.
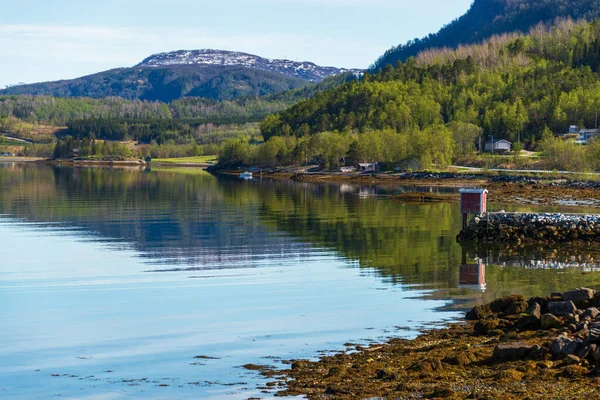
[
  {"x": 15, "y": 84},
  {"x": 486, "y": 18},
  {"x": 304, "y": 70},
  {"x": 212, "y": 74}
]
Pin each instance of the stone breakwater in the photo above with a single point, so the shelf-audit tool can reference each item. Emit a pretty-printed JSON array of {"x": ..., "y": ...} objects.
[{"x": 530, "y": 227}]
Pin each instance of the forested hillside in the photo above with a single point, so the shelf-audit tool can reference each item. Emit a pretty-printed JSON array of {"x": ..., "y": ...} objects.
[
  {"x": 487, "y": 18},
  {"x": 431, "y": 108},
  {"x": 167, "y": 83},
  {"x": 59, "y": 111}
]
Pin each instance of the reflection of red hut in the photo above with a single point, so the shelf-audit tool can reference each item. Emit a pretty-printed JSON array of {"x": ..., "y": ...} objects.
[{"x": 472, "y": 276}]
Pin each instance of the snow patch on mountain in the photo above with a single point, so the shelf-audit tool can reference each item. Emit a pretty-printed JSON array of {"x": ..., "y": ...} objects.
[{"x": 305, "y": 70}]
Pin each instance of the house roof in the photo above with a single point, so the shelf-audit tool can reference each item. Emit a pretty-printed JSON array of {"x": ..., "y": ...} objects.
[
  {"x": 472, "y": 191},
  {"x": 498, "y": 141}
]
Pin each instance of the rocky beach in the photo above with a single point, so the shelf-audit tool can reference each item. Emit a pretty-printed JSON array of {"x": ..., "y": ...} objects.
[{"x": 512, "y": 348}]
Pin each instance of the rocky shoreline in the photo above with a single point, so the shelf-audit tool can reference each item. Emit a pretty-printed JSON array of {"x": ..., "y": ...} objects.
[
  {"x": 506, "y": 188},
  {"x": 512, "y": 348}
]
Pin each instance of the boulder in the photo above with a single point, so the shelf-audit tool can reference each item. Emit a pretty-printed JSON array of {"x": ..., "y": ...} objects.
[
  {"x": 594, "y": 332},
  {"x": 563, "y": 346},
  {"x": 579, "y": 295},
  {"x": 478, "y": 312},
  {"x": 585, "y": 350},
  {"x": 484, "y": 326},
  {"x": 516, "y": 308},
  {"x": 511, "y": 351},
  {"x": 502, "y": 304},
  {"x": 572, "y": 360},
  {"x": 530, "y": 319},
  {"x": 591, "y": 313},
  {"x": 561, "y": 308},
  {"x": 549, "y": 321}
]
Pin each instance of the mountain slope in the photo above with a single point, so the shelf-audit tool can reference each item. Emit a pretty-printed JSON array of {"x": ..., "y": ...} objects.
[
  {"x": 486, "y": 18},
  {"x": 513, "y": 87},
  {"x": 212, "y": 74}
]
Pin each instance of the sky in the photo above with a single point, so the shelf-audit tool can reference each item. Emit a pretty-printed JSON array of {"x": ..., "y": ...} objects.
[{"x": 42, "y": 40}]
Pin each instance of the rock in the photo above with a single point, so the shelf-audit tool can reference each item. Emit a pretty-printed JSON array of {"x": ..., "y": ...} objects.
[
  {"x": 561, "y": 308},
  {"x": 516, "y": 308},
  {"x": 594, "y": 332},
  {"x": 585, "y": 350},
  {"x": 484, "y": 326},
  {"x": 511, "y": 351},
  {"x": 572, "y": 360},
  {"x": 549, "y": 321},
  {"x": 595, "y": 355},
  {"x": 386, "y": 374},
  {"x": 563, "y": 346},
  {"x": 591, "y": 313},
  {"x": 510, "y": 375},
  {"x": 530, "y": 319},
  {"x": 462, "y": 358},
  {"x": 299, "y": 364},
  {"x": 500, "y": 305},
  {"x": 478, "y": 312},
  {"x": 579, "y": 295},
  {"x": 574, "y": 371}
]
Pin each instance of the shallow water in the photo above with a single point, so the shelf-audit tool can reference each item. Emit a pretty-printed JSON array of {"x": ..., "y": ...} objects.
[{"x": 138, "y": 284}]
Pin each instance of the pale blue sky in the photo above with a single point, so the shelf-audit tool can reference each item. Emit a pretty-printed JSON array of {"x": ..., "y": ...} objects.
[{"x": 46, "y": 40}]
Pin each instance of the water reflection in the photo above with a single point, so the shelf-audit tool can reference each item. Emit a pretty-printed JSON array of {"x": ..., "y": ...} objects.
[{"x": 156, "y": 267}]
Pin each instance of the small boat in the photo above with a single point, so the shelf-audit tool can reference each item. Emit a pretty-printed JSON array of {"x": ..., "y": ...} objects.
[{"x": 246, "y": 175}]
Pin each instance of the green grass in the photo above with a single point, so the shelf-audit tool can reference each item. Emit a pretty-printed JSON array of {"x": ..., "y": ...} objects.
[
  {"x": 181, "y": 171},
  {"x": 8, "y": 142},
  {"x": 187, "y": 160}
]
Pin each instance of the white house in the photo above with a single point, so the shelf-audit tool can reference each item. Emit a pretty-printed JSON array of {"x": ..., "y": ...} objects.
[
  {"x": 585, "y": 135},
  {"x": 498, "y": 146},
  {"x": 370, "y": 167}
]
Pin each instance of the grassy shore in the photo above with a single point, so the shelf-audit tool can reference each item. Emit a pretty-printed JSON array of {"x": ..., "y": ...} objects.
[{"x": 188, "y": 161}]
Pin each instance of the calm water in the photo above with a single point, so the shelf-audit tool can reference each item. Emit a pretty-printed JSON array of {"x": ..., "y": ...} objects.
[{"x": 136, "y": 284}]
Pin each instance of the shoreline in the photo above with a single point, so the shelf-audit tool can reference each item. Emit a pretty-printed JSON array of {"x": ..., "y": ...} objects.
[
  {"x": 512, "y": 348},
  {"x": 556, "y": 191}
]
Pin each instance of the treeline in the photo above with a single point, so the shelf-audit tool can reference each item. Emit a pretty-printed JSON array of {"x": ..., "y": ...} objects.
[
  {"x": 433, "y": 145},
  {"x": 155, "y": 131},
  {"x": 487, "y": 18},
  {"x": 60, "y": 111},
  {"x": 511, "y": 87}
]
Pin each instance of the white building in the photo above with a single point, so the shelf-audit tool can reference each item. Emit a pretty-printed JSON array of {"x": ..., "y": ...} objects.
[{"x": 498, "y": 146}]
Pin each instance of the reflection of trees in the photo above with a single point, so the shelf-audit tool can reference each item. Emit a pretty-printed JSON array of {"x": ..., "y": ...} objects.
[
  {"x": 412, "y": 244},
  {"x": 175, "y": 218},
  {"x": 194, "y": 218}
]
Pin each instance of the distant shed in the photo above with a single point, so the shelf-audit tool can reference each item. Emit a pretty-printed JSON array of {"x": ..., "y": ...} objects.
[{"x": 499, "y": 146}]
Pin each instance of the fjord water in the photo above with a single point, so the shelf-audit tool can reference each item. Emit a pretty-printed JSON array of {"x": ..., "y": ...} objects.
[{"x": 162, "y": 284}]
